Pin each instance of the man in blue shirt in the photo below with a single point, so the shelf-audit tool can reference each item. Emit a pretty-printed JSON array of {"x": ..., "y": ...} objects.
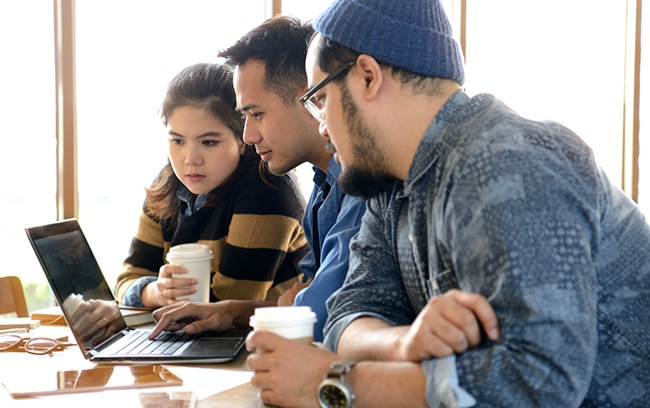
[
  {"x": 269, "y": 68},
  {"x": 269, "y": 77}
]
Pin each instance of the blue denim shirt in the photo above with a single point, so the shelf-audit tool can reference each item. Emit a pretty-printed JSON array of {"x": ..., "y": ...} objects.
[
  {"x": 339, "y": 217},
  {"x": 519, "y": 212}
]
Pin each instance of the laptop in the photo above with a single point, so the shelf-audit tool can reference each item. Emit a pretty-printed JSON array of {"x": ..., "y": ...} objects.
[{"x": 92, "y": 313}]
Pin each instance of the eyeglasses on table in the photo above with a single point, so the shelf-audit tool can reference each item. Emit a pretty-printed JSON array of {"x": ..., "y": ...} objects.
[{"x": 32, "y": 345}]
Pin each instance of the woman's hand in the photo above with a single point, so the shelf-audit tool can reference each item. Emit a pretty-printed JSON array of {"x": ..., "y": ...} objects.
[{"x": 168, "y": 290}]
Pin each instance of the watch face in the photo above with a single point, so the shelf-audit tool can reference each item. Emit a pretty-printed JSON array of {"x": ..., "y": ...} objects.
[{"x": 333, "y": 397}]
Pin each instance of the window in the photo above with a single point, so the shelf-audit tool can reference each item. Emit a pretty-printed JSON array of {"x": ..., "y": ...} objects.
[
  {"x": 28, "y": 194},
  {"x": 551, "y": 59},
  {"x": 305, "y": 10},
  {"x": 554, "y": 60},
  {"x": 126, "y": 54},
  {"x": 644, "y": 128}
]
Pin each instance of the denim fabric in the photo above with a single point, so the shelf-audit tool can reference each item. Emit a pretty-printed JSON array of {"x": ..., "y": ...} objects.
[
  {"x": 191, "y": 203},
  {"x": 338, "y": 220},
  {"x": 133, "y": 295},
  {"x": 519, "y": 212}
]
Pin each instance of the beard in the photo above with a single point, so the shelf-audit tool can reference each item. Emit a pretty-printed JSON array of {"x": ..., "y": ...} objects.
[
  {"x": 329, "y": 147},
  {"x": 364, "y": 184},
  {"x": 368, "y": 177}
]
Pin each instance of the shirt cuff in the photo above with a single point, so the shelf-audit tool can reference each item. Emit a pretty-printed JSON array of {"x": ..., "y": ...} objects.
[
  {"x": 332, "y": 332},
  {"x": 133, "y": 295},
  {"x": 442, "y": 384}
]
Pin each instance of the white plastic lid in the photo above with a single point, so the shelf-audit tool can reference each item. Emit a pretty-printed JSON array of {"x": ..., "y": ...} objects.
[
  {"x": 195, "y": 252},
  {"x": 282, "y": 316}
]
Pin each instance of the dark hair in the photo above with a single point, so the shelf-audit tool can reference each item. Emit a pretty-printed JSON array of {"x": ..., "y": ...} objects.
[
  {"x": 205, "y": 86},
  {"x": 332, "y": 55},
  {"x": 280, "y": 43}
]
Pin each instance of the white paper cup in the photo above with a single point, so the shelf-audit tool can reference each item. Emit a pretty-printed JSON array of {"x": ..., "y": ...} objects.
[
  {"x": 291, "y": 322},
  {"x": 197, "y": 259}
]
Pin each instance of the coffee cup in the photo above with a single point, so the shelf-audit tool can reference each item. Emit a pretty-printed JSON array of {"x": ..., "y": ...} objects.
[
  {"x": 291, "y": 322},
  {"x": 196, "y": 258}
]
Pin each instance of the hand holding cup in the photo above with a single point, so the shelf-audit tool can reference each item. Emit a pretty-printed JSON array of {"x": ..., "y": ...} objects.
[{"x": 196, "y": 259}]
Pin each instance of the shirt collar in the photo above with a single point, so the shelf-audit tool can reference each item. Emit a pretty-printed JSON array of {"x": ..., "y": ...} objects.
[
  {"x": 325, "y": 181},
  {"x": 193, "y": 203},
  {"x": 430, "y": 145}
]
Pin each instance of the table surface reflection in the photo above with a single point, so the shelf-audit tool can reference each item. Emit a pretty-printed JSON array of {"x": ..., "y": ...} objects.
[{"x": 210, "y": 385}]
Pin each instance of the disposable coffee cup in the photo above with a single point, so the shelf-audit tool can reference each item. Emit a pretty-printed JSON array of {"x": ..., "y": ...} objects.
[
  {"x": 291, "y": 322},
  {"x": 197, "y": 259}
]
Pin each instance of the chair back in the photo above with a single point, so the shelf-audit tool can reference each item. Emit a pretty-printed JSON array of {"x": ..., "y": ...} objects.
[{"x": 12, "y": 296}]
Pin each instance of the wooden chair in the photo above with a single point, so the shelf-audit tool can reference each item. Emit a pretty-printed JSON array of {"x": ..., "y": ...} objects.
[{"x": 12, "y": 296}]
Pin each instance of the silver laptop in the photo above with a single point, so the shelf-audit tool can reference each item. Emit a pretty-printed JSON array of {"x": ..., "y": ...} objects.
[{"x": 92, "y": 313}]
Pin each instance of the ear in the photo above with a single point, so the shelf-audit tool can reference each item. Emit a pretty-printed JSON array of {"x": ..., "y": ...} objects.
[
  {"x": 371, "y": 74},
  {"x": 303, "y": 90}
]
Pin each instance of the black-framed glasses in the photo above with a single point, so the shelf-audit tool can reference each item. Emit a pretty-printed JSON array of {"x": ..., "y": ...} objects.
[
  {"x": 312, "y": 103},
  {"x": 32, "y": 345}
]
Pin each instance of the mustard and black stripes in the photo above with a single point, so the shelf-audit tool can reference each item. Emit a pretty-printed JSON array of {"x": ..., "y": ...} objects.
[{"x": 255, "y": 234}]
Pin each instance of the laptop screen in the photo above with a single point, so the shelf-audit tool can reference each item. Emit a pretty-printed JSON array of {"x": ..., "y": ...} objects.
[{"x": 77, "y": 282}]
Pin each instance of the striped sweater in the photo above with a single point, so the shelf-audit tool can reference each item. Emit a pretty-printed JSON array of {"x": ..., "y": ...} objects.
[{"x": 254, "y": 233}]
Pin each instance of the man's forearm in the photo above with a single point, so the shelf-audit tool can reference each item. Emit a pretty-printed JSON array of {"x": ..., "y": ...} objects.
[
  {"x": 368, "y": 338},
  {"x": 388, "y": 384}
]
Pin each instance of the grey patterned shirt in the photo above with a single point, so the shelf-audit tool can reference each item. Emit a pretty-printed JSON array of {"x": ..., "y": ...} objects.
[{"x": 519, "y": 212}]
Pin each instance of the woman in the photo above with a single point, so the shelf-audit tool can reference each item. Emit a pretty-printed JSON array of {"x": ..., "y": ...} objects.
[{"x": 213, "y": 191}]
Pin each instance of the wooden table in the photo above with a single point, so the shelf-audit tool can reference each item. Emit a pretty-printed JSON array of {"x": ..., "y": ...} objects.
[{"x": 211, "y": 378}]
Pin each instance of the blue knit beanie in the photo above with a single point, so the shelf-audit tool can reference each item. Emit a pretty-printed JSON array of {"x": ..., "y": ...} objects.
[{"x": 414, "y": 35}]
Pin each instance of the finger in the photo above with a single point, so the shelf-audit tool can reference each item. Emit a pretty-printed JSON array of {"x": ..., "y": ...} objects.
[
  {"x": 201, "y": 326},
  {"x": 263, "y": 380},
  {"x": 301, "y": 285},
  {"x": 466, "y": 329},
  {"x": 177, "y": 288},
  {"x": 251, "y": 343},
  {"x": 448, "y": 335},
  {"x": 161, "y": 311},
  {"x": 173, "y": 296},
  {"x": 263, "y": 340},
  {"x": 483, "y": 311},
  {"x": 261, "y": 364},
  {"x": 171, "y": 270},
  {"x": 167, "y": 271},
  {"x": 438, "y": 348},
  {"x": 183, "y": 291},
  {"x": 268, "y": 397},
  {"x": 166, "y": 320},
  {"x": 163, "y": 272},
  {"x": 165, "y": 313},
  {"x": 444, "y": 326},
  {"x": 157, "y": 329},
  {"x": 184, "y": 283}
]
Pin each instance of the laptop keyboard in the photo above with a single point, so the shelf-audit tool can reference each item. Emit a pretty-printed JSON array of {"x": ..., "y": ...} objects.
[{"x": 166, "y": 344}]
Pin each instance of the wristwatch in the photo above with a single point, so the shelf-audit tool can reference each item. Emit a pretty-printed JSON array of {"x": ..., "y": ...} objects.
[{"x": 333, "y": 392}]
